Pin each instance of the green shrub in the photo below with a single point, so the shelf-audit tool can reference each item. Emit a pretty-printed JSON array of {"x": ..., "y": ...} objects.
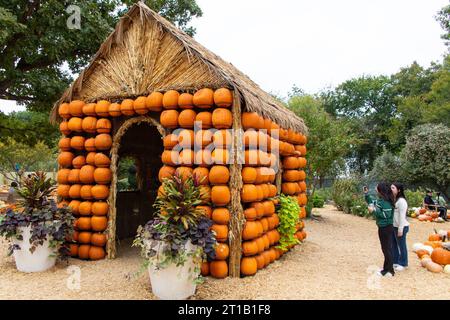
[
  {"x": 347, "y": 196},
  {"x": 324, "y": 193},
  {"x": 415, "y": 198},
  {"x": 318, "y": 201}
]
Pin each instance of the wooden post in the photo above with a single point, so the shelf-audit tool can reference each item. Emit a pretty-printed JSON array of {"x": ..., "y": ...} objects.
[{"x": 237, "y": 212}]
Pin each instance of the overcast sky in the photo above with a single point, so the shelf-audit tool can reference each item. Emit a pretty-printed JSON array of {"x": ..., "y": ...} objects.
[{"x": 318, "y": 43}]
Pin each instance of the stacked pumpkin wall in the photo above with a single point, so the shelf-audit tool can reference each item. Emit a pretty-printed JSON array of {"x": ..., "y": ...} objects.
[
  {"x": 259, "y": 236},
  {"x": 199, "y": 145},
  {"x": 293, "y": 163},
  {"x": 84, "y": 174}
]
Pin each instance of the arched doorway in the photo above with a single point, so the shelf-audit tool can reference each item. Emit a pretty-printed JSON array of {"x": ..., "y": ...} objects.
[{"x": 135, "y": 162}]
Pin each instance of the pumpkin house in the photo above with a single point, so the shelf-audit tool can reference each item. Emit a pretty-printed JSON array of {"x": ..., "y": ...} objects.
[{"x": 155, "y": 97}]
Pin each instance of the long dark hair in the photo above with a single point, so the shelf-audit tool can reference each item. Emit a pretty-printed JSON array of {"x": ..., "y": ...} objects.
[
  {"x": 385, "y": 192},
  {"x": 401, "y": 191}
]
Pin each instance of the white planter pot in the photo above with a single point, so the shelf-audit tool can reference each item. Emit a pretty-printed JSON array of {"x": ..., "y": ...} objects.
[
  {"x": 37, "y": 261},
  {"x": 174, "y": 282}
]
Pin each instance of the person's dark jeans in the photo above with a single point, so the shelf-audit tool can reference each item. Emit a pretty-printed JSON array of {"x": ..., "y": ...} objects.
[
  {"x": 442, "y": 212},
  {"x": 399, "y": 249},
  {"x": 385, "y": 235}
]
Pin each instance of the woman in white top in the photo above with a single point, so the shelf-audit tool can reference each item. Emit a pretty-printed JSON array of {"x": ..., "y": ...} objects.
[{"x": 401, "y": 228}]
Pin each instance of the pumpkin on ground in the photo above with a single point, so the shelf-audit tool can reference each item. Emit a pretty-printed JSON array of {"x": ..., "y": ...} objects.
[
  {"x": 218, "y": 269},
  {"x": 249, "y": 266},
  {"x": 440, "y": 256}
]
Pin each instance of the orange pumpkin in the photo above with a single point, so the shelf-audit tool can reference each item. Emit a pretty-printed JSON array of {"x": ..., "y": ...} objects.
[
  {"x": 166, "y": 172},
  {"x": 248, "y": 193},
  {"x": 204, "y": 269},
  {"x": 98, "y": 239},
  {"x": 259, "y": 207},
  {"x": 223, "y": 97},
  {"x": 222, "y": 251},
  {"x": 222, "y": 118},
  {"x": 260, "y": 262},
  {"x": 291, "y": 163},
  {"x": 203, "y": 158},
  {"x": 170, "y": 99},
  {"x": 251, "y": 120},
  {"x": 186, "y": 157},
  {"x": 249, "y": 175},
  {"x": 220, "y": 195},
  {"x": 77, "y": 142},
  {"x": 74, "y": 206},
  {"x": 250, "y": 230},
  {"x": 83, "y": 223},
  {"x": 219, "y": 175},
  {"x": 84, "y": 237},
  {"x": 222, "y": 138},
  {"x": 250, "y": 214},
  {"x": 74, "y": 176},
  {"x": 220, "y": 156},
  {"x": 99, "y": 223},
  {"x": 154, "y": 101},
  {"x": 86, "y": 192},
  {"x": 62, "y": 176},
  {"x": 302, "y": 162},
  {"x": 203, "y": 98},
  {"x": 84, "y": 209},
  {"x": 90, "y": 159},
  {"x": 102, "y": 160},
  {"x": 103, "y": 141},
  {"x": 114, "y": 110},
  {"x": 75, "y": 124},
  {"x": 100, "y": 208},
  {"x": 83, "y": 251},
  {"x": 221, "y": 216},
  {"x": 102, "y": 175},
  {"x": 76, "y": 108},
  {"x": 201, "y": 175},
  {"x": 203, "y": 120},
  {"x": 96, "y": 253},
  {"x": 218, "y": 269},
  {"x": 126, "y": 107},
  {"x": 100, "y": 192},
  {"x": 186, "y": 138},
  {"x": 185, "y": 101},
  {"x": 186, "y": 118},
  {"x": 302, "y": 199},
  {"x": 184, "y": 172},
  {"x": 63, "y": 190},
  {"x": 64, "y": 128},
  {"x": 249, "y": 248},
  {"x": 221, "y": 232},
  {"x": 249, "y": 266},
  {"x": 63, "y": 111},
  {"x": 170, "y": 141},
  {"x": 89, "y": 124},
  {"x": 203, "y": 137},
  {"x": 64, "y": 144},
  {"x": 207, "y": 210},
  {"x": 74, "y": 191},
  {"x": 102, "y": 108},
  {"x": 139, "y": 105},
  {"x": 73, "y": 250},
  {"x": 103, "y": 125},
  {"x": 87, "y": 174},
  {"x": 170, "y": 157},
  {"x": 89, "y": 144},
  {"x": 169, "y": 119},
  {"x": 434, "y": 237}
]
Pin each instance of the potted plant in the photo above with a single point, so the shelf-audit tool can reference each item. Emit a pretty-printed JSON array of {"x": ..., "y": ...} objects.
[
  {"x": 176, "y": 241},
  {"x": 36, "y": 228}
]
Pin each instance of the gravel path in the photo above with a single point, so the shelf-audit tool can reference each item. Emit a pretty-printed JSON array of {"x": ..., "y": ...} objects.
[{"x": 336, "y": 262}]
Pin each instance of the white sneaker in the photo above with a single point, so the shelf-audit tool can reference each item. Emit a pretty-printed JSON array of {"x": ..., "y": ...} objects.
[
  {"x": 389, "y": 275},
  {"x": 398, "y": 267}
]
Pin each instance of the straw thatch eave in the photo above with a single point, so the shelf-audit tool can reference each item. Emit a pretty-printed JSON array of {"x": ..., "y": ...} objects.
[{"x": 195, "y": 62}]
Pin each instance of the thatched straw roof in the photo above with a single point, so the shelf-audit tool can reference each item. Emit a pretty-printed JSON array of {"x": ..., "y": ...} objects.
[{"x": 147, "y": 53}]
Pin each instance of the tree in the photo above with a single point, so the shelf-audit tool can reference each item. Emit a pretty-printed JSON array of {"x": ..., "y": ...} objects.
[
  {"x": 28, "y": 128},
  {"x": 368, "y": 104},
  {"x": 17, "y": 158},
  {"x": 36, "y": 43},
  {"x": 328, "y": 140},
  {"x": 426, "y": 157},
  {"x": 387, "y": 167},
  {"x": 443, "y": 17}
]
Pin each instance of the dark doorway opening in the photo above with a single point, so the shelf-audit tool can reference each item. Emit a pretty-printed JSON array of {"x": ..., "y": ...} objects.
[{"x": 137, "y": 178}]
